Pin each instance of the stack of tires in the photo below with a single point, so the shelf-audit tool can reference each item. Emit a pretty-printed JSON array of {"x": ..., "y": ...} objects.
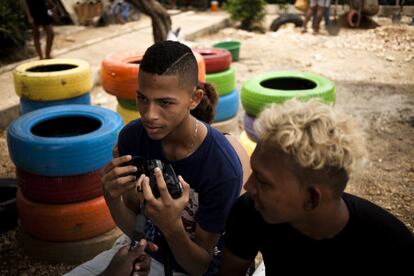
[
  {"x": 52, "y": 82},
  {"x": 223, "y": 78},
  {"x": 119, "y": 77},
  {"x": 59, "y": 152},
  {"x": 278, "y": 87}
]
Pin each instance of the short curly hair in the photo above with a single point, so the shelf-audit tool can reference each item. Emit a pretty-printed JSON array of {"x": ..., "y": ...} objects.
[{"x": 317, "y": 136}]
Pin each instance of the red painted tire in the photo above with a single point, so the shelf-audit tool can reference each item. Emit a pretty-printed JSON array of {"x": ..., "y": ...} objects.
[
  {"x": 59, "y": 189},
  {"x": 216, "y": 59},
  {"x": 352, "y": 18},
  {"x": 119, "y": 73},
  {"x": 67, "y": 222}
]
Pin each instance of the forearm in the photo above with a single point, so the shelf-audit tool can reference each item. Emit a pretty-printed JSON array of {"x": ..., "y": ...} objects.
[
  {"x": 123, "y": 216},
  {"x": 191, "y": 256}
]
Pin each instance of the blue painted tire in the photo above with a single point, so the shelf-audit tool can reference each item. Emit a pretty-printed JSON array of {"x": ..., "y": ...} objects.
[
  {"x": 227, "y": 106},
  {"x": 63, "y": 140},
  {"x": 29, "y": 105}
]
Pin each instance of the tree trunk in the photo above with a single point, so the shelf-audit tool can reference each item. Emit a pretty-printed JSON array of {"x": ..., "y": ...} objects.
[{"x": 161, "y": 20}]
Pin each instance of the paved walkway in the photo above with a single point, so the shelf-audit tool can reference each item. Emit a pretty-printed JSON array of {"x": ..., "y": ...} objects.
[{"x": 131, "y": 36}]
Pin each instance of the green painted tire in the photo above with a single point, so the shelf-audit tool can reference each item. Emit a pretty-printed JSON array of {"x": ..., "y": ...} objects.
[
  {"x": 128, "y": 104},
  {"x": 280, "y": 86},
  {"x": 224, "y": 82}
]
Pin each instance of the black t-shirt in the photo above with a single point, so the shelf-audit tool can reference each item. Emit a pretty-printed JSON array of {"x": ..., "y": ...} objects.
[{"x": 370, "y": 231}]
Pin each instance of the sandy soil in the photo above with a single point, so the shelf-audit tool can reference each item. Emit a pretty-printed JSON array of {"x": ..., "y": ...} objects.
[{"x": 373, "y": 72}]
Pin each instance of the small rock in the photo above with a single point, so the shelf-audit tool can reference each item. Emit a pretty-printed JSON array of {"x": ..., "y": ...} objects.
[
  {"x": 317, "y": 57},
  {"x": 408, "y": 59},
  {"x": 70, "y": 39},
  {"x": 389, "y": 58}
]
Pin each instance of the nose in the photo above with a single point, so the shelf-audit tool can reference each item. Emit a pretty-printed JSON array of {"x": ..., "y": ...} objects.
[
  {"x": 150, "y": 112},
  {"x": 249, "y": 185}
]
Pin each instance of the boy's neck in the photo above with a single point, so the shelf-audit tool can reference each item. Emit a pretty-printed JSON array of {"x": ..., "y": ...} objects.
[{"x": 184, "y": 140}]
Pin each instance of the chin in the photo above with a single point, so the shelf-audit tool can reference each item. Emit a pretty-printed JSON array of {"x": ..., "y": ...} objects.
[{"x": 271, "y": 219}]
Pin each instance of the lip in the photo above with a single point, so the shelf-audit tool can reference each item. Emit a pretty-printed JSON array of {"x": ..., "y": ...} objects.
[{"x": 152, "y": 128}]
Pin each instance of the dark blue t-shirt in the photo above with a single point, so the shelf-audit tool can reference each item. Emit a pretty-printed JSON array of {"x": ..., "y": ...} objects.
[{"x": 213, "y": 171}]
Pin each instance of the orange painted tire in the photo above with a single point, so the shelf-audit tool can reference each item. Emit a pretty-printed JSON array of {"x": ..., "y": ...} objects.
[
  {"x": 119, "y": 73},
  {"x": 67, "y": 222},
  {"x": 201, "y": 67},
  {"x": 59, "y": 189}
]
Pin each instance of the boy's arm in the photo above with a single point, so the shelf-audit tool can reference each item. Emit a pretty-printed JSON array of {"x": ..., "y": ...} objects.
[
  {"x": 117, "y": 181},
  {"x": 233, "y": 265},
  {"x": 194, "y": 256}
]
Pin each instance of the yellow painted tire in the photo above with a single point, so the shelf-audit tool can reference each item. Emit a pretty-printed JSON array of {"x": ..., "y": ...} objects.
[
  {"x": 52, "y": 79},
  {"x": 127, "y": 115},
  {"x": 248, "y": 144}
]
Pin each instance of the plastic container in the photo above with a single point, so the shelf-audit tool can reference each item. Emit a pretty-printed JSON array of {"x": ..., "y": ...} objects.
[
  {"x": 214, "y": 6},
  {"x": 233, "y": 46}
]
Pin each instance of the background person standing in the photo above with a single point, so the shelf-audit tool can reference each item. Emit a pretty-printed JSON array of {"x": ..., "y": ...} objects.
[{"x": 36, "y": 12}]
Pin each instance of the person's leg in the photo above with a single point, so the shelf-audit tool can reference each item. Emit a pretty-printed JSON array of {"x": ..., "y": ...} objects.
[
  {"x": 307, "y": 18},
  {"x": 36, "y": 40},
  {"x": 318, "y": 20},
  {"x": 326, "y": 12},
  {"x": 49, "y": 39}
]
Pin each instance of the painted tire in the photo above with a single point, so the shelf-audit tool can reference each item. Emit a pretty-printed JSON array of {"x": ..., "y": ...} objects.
[
  {"x": 352, "y": 18},
  {"x": 50, "y": 142},
  {"x": 59, "y": 189},
  {"x": 227, "y": 126},
  {"x": 127, "y": 115},
  {"x": 28, "y": 105},
  {"x": 119, "y": 73},
  {"x": 227, "y": 106},
  {"x": 74, "y": 253},
  {"x": 64, "y": 222},
  {"x": 259, "y": 91},
  {"x": 128, "y": 104},
  {"x": 248, "y": 144},
  {"x": 224, "y": 82},
  {"x": 216, "y": 59},
  {"x": 8, "y": 211},
  {"x": 201, "y": 67},
  {"x": 52, "y": 79},
  {"x": 248, "y": 122}
]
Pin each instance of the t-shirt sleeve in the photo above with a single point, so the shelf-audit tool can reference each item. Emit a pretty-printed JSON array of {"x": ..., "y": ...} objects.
[
  {"x": 215, "y": 204},
  {"x": 239, "y": 237}
]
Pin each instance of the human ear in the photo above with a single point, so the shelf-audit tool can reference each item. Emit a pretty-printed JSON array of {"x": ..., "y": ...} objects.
[
  {"x": 196, "y": 98},
  {"x": 313, "y": 197}
]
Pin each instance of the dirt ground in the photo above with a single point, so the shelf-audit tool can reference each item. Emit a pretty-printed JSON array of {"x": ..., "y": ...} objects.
[{"x": 374, "y": 77}]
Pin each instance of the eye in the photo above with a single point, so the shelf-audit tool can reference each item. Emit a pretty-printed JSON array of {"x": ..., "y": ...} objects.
[
  {"x": 142, "y": 99},
  {"x": 165, "y": 102},
  {"x": 257, "y": 182}
]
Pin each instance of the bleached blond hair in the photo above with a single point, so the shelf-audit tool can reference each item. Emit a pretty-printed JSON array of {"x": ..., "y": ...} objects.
[{"x": 314, "y": 134}]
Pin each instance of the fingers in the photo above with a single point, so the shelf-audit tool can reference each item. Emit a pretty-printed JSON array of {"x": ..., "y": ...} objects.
[
  {"x": 162, "y": 186},
  {"x": 152, "y": 247},
  {"x": 148, "y": 195},
  {"x": 115, "y": 163},
  {"x": 186, "y": 188}
]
